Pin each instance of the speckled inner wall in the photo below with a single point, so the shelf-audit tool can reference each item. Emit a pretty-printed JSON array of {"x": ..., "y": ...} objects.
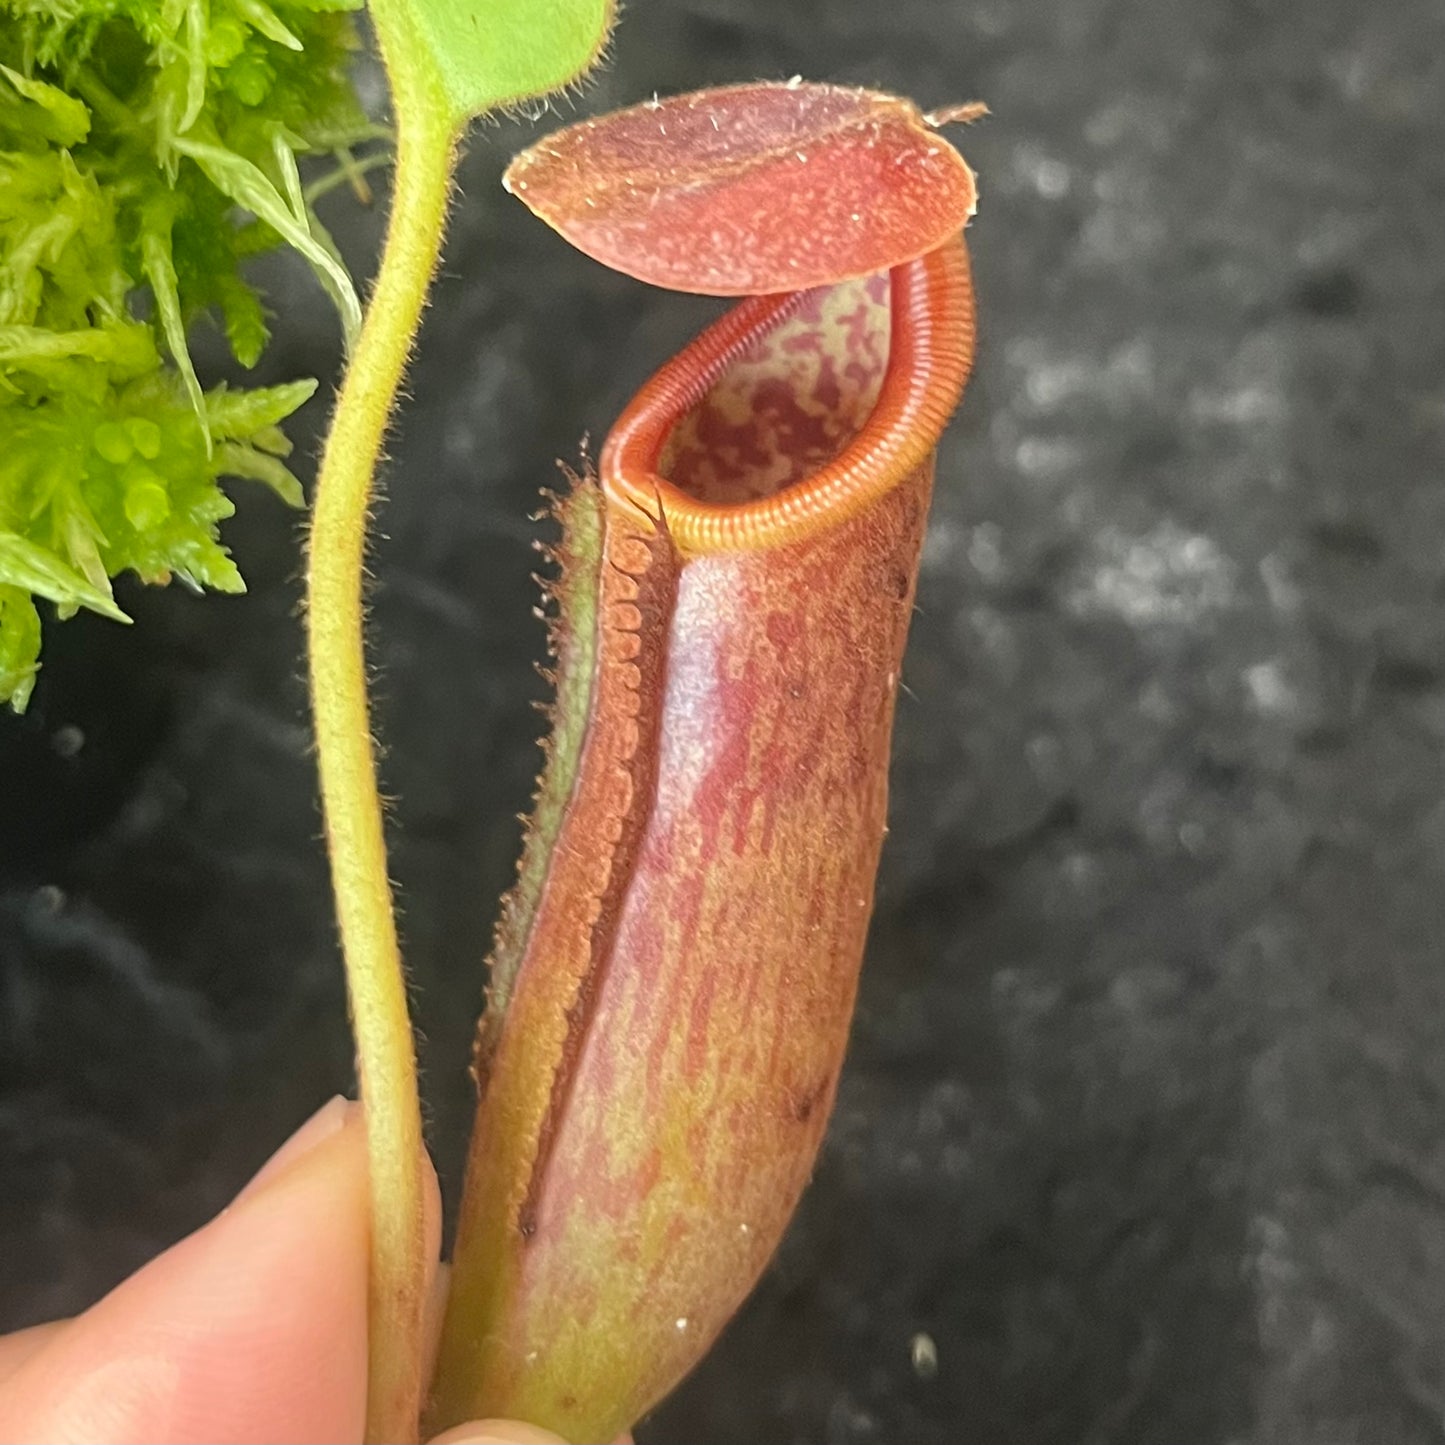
[{"x": 1141, "y": 1128}]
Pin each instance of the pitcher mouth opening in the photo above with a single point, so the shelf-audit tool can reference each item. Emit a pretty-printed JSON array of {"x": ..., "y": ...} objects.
[
  {"x": 794, "y": 412},
  {"x": 789, "y": 403}
]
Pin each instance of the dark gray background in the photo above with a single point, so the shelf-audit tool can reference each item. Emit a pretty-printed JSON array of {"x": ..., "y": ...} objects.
[{"x": 1142, "y": 1120}]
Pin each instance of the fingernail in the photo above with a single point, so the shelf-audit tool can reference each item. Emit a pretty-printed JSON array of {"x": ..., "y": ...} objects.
[
  {"x": 325, "y": 1122},
  {"x": 497, "y": 1432}
]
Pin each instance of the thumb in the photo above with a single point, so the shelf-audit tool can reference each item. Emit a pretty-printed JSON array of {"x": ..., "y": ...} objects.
[{"x": 251, "y": 1329}]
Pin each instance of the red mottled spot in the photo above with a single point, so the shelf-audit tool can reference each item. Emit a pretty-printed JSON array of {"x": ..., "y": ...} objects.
[
  {"x": 804, "y": 1101},
  {"x": 790, "y": 402},
  {"x": 751, "y": 189}
]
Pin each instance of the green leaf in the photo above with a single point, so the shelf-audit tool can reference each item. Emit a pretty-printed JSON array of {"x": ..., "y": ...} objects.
[
  {"x": 19, "y": 646},
  {"x": 242, "y": 461},
  {"x": 67, "y": 121},
  {"x": 196, "y": 67},
  {"x": 470, "y": 56},
  {"x": 207, "y": 564},
  {"x": 245, "y": 319},
  {"x": 23, "y": 564},
  {"x": 160, "y": 269},
  {"x": 127, "y": 347},
  {"x": 247, "y": 185},
  {"x": 265, "y": 19},
  {"x": 237, "y": 414}
]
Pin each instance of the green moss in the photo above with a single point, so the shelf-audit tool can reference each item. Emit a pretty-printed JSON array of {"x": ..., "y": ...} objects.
[{"x": 147, "y": 151}]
